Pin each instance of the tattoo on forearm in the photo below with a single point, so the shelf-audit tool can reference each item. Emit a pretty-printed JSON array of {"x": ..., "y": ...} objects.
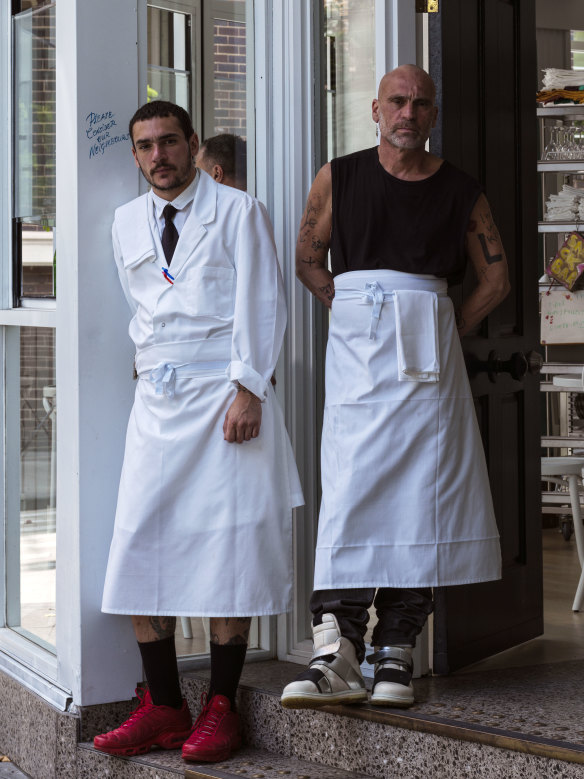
[
  {"x": 488, "y": 257},
  {"x": 328, "y": 291},
  {"x": 163, "y": 626}
]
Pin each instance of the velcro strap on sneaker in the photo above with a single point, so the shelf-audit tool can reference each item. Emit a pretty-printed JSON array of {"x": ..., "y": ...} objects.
[
  {"x": 315, "y": 676},
  {"x": 393, "y": 654},
  {"x": 393, "y": 675},
  {"x": 328, "y": 649}
]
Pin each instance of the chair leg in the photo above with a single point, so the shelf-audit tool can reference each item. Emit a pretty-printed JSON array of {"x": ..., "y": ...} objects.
[
  {"x": 186, "y": 627},
  {"x": 579, "y": 533},
  {"x": 578, "y": 527}
]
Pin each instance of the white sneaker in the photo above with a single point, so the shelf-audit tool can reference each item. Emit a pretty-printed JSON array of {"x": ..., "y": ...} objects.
[
  {"x": 333, "y": 675},
  {"x": 392, "y": 685}
]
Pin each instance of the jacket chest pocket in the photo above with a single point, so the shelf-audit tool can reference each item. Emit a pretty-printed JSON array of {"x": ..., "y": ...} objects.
[{"x": 210, "y": 291}]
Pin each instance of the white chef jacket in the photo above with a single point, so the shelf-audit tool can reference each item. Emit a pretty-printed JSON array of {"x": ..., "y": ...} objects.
[{"x": 203, "y": 527}]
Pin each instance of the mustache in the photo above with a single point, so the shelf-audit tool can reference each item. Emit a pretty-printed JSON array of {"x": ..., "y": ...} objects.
[{"x": 161, "y": 167}]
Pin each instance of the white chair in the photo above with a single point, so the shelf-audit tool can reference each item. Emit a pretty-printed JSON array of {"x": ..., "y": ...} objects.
[{"x": 568, "y": 471}]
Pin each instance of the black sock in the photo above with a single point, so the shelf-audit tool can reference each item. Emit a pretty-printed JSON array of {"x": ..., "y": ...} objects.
[
  {"x": 226, "y": 667},
  {"x": 161, "y": 670}
]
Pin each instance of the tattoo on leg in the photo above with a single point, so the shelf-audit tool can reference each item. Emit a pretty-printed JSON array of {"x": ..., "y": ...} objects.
[
  {"x": 239, "y": 640},
  {"x": 164, "y": 627},
  {"x": 490, "y": 259}
]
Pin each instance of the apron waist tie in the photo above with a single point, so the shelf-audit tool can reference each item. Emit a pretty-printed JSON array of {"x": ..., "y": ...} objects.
[
  {"x": 375, "y": 291},
  {"x": 165, "y": 374}
]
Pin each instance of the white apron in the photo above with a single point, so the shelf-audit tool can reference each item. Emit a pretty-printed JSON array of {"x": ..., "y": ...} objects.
[
  {"x": 405, "y": 491},
  {"x": 203, "y": 527}
]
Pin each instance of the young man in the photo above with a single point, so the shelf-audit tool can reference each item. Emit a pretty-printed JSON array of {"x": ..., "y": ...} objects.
[
  {"x": 405, "y": 494},
  {"x": 203, "y": 522}
]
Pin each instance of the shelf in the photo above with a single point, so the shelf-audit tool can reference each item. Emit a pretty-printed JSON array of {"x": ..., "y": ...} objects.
[
  {"x": 562, "y": 442},
  {"x": 560, "y": 166},
  {"x": 561, "y": 110},
  {"x": 559, "y": 227}
]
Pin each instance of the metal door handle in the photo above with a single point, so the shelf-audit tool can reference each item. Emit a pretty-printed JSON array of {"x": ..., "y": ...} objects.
[{"x": 517, "y": 365}]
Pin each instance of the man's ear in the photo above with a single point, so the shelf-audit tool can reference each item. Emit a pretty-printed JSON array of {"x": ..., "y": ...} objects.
[
  {"x": 218, "y": 173},
  {"x": 136, "y": 163}
]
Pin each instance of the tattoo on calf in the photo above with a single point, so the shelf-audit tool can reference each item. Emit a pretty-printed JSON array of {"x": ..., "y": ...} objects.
[
  {"x": 489, "y": 258},
  {"x": 164, "y": 627}
]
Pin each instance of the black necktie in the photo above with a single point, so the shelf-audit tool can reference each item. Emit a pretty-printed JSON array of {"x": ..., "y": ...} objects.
[{"x": 170, "y": 233}]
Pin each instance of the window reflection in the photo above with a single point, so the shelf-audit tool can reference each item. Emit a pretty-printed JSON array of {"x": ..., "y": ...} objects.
[
  {"x": 34, "y": 151},
  {"x": 38, "y": 409},
  {"x": 349, "y": 52}
]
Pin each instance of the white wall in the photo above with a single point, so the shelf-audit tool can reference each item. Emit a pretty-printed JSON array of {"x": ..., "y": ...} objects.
[{"x": 97, "y": 74}]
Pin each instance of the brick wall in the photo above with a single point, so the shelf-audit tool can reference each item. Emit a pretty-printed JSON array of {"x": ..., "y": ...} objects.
[{"x": 230, "y": 77}]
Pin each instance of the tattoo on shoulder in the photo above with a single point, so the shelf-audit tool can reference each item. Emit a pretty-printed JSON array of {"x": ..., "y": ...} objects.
[
  {"x": 490, "y": 258},
  {"x": 309, "y": 220},
  {"x": 317, "y": 244}
]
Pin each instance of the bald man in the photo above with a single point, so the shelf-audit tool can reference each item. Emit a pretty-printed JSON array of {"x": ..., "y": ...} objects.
[
  {"x": 224, "y": 158},
  {"x": 406, "y": 504}
]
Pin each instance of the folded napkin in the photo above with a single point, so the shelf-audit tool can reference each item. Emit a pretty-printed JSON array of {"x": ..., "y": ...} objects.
[{"x": 416, "y": 318}]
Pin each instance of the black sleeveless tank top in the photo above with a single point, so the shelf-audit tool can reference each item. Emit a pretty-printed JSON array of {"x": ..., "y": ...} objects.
[{"x": 380, "y": 221}]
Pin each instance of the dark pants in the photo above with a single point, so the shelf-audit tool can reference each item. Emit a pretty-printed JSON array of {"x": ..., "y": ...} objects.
[{"x": 401, "y": 614}]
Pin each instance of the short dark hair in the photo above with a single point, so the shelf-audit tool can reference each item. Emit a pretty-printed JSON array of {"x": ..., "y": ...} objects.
[
  {"x": 162, "y": 108},
  {"x": 229, "y": 151}
]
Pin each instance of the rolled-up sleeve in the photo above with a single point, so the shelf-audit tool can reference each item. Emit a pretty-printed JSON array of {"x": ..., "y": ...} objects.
[{"x": 260, "y": 307}]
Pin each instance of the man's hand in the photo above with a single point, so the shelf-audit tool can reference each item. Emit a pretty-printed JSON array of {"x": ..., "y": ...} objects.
[{"x": 243, "y": 418}]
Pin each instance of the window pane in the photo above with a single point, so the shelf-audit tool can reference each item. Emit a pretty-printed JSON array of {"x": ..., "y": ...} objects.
[
  {"x": 31, "y": 605},
  {"x": 166, "y": 85},
  {"x": 169, "y": 66},
  {"x": 34, "y": 151},
  {"x": 349, "y": 51}
]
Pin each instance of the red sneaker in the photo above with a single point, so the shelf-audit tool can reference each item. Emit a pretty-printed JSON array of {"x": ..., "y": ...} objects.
[
  {"x": 147, "y": 726},
  {"x": 216, "y": 733}
]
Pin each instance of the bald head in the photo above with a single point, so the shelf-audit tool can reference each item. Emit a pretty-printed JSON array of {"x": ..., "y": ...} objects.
[{"x": 407, "y": 73}]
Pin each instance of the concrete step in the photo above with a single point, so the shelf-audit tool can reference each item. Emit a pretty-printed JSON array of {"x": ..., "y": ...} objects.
[
  {"x": 247, "y": 763},
  {"x": 517, "y": 723}
]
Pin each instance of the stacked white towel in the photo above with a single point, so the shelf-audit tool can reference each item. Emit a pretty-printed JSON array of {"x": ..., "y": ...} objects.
[
  {"x": 416, "y": 319},
  {"x": 566, "y": 206},
  {"x": 555, "y": 78}
]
